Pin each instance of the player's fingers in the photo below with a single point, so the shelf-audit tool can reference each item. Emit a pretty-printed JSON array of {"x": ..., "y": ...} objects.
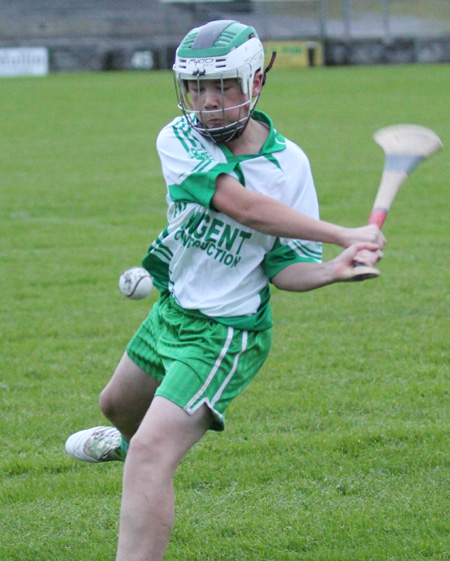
[
  {"x": 368, "y": 257},
  {"x": 378, "y": 236},
  {"x": 365, "y": 246}
]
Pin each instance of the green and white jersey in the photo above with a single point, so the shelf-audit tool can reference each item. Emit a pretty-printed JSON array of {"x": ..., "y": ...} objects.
[{"x": 210, "y": 263}]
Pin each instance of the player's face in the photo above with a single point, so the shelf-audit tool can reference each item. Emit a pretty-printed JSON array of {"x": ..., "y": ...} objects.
[{"x": 217, "y": 103}]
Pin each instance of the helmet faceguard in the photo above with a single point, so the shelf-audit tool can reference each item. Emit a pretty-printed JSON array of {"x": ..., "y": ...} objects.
[{"x": 220, "y": 51}]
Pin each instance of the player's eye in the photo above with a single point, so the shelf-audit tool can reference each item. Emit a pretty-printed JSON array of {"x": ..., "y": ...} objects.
[{"x": 195, "y": 88}]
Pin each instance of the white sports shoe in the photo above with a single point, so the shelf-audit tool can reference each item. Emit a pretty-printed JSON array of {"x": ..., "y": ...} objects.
[{"x": 99, "y": 444}]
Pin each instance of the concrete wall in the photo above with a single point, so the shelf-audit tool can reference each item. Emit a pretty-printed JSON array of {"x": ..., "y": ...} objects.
[{"x": 143, "y": 34}]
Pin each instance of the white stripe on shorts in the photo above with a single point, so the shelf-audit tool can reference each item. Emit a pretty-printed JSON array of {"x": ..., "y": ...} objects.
[
  {"x": 233, "y": 370},
  {"x": 216, "y": 367}
]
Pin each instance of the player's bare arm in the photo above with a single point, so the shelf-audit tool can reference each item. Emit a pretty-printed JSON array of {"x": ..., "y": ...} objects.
[
  {"x": 302, "y": 277},
  {"x": 267, "y": 215}
]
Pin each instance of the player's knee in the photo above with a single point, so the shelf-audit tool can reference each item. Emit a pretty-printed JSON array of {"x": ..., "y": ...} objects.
[
  {"x": 146, "y": 448},
  {"x": 152, "y": 451},
  {"x": 109, "y": 404}
]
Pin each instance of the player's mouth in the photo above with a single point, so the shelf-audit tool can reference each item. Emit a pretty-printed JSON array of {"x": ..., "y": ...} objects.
[{"x": 214, "y": 123}]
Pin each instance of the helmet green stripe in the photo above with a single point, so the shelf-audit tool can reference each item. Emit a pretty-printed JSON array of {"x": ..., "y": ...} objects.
[{"x": 215, "y": 40}]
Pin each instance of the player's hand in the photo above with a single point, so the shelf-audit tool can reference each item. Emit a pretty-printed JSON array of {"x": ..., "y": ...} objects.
[
  {"x": 344, "y": 263},
  {"x": 366, "y": 234}
]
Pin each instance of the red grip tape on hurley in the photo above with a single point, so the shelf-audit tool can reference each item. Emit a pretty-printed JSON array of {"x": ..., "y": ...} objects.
[{"x": 378, "y": 217}]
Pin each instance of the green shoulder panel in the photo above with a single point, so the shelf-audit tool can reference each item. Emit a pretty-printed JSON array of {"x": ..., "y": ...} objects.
[{"x": 200, "y": 187}]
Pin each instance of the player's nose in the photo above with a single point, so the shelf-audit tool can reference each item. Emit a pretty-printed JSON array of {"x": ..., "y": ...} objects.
[{"x": 211, "y": 99}]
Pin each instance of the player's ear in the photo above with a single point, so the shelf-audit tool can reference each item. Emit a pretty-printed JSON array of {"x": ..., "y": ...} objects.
[{"x": 257, "y": 83}]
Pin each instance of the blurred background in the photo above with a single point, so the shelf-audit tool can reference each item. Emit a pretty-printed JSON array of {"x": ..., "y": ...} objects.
[{"x": 63, "y": 36}]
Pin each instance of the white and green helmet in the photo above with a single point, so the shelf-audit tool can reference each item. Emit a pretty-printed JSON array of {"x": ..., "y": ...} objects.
[{"x": 219, "y": 50}]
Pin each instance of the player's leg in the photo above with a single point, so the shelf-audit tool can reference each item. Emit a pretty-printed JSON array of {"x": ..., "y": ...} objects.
[
  {"x": 163, "y": 438},
  {"x": 218, "y": 363},
  {"x": 128, "y": 395}
]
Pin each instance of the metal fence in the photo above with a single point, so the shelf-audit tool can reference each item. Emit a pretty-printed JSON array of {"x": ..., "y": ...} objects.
[
  {"x": 28, "y": 21},
  {"x": 385, "y": 18},
  {"x": 143, "y": 34},
  {"x": 355, "y": 19}
]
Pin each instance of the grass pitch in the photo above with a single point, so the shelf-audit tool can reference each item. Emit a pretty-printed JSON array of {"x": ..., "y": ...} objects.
[{"x": 338, "y": 451}]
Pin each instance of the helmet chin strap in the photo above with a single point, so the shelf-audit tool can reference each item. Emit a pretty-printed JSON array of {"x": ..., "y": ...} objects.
[{"x": 269, "y": 66}]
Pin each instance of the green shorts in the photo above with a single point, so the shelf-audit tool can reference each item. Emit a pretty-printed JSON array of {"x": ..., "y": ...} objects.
[{"x": 197, "y": 360}]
